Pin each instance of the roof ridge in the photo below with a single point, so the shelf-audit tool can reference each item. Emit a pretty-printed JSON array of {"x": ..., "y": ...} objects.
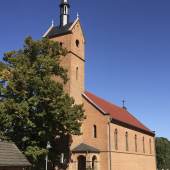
[
  {"x": 116, "y": 112},
  {"x": 138, "y": 120},
  {"x": 105, "y": 100},
  {"x": 90, "y": 100}
]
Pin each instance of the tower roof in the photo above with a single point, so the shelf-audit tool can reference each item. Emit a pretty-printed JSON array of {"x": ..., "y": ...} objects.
[
  {"x": 55, "y": 31},
  {"x": 65, "y": 25}
]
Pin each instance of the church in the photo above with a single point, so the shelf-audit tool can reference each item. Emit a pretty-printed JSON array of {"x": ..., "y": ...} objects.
[{"x": 112, "y": 138}]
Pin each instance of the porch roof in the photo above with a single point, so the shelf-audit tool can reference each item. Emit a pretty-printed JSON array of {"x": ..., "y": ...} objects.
[{"x": 84, "y": 148}]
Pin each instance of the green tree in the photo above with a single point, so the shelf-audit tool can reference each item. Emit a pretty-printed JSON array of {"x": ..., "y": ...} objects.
[
  {"x": 163, "y": 153},
  {"x": 34, "y": 109}
]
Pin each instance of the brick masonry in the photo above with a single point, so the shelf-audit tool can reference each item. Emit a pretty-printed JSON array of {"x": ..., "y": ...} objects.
[{"x": 109, "y": 158}]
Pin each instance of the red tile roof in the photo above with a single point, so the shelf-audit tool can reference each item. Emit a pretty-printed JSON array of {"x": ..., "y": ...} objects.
[{"x": 116, "y": 112}]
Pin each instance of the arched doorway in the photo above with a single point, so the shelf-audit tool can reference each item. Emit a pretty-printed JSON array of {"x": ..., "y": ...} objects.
[
  {"x": 81, "y": 163},
  {"x": 94, "y": 163}
]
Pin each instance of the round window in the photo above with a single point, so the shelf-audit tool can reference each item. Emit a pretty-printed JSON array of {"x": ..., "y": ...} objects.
[
  {"x": 61, "y": 44},
  {"x": 77, "y": 43}
]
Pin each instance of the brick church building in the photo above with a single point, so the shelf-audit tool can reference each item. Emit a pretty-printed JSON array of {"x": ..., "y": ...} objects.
[{"x": 112, "y": 139}]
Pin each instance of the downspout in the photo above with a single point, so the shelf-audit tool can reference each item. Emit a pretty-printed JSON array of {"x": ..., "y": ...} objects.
[
  {"x": 155, "y": 151},
  {"x": 110, "y": 153}
]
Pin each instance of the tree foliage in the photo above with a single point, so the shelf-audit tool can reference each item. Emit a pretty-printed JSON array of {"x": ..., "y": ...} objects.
[
  {"x": 34, "y": 108},
  {"x": 163, "y": 153}
]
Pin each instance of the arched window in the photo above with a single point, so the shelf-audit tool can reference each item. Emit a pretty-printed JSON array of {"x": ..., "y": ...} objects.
[
  {"x": 136, "y": 143},
  {"x": 95, "y": 131},
  {"x": 65, "y": 10},
  {"x": 143, "y": 144},
  {"x": 150, "y": 146},
  {"x": 116, "y": 139},
  {"x": 94, "y": 163},
  {"x": 127, "y": 141},
  {"x": 77, "y": 73}
]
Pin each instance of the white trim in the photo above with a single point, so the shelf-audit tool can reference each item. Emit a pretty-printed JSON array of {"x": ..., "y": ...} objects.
[
  {"x": 64, "y": 20},
  {"x": 72, "y": 26},
  {"x": 74, "y": 23},
  {"x": 94, "y": 104},
  {"x": 49, "y": 29},
  {"x": 77, "y": 15}
]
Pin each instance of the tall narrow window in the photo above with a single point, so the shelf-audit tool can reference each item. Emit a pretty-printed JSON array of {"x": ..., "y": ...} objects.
[
  {"x": 127, "y": 141},
  {"x": 95, "y": 131},
  {"x": 143, "y": 144},
  {"x": 94, "y": 163},
  {"x": 136, "y": 144},
  {"x": 77, "y": 73},
  {"x": 116, "y": 139},
  {"x": 150, "y": 146},
  {"x": 65, "y": 9}
]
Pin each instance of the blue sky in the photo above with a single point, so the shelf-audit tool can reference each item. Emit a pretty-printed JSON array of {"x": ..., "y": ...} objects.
[{"x": 127, "y": 49}]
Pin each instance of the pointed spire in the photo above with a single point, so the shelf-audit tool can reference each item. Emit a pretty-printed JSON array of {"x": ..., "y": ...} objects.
[
  {"x": 77, "y": 15},
  {"x": 52, "y": 23},
  {"x": 64, "y": 12}
]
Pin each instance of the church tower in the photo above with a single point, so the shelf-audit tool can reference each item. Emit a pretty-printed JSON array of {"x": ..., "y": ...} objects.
[{"x": 70, "y": 36}]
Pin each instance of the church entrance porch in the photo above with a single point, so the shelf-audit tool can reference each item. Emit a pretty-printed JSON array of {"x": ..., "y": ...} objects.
[
  {"x": 87, "y": 161},
  {"x": 85, "y": 157}
]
